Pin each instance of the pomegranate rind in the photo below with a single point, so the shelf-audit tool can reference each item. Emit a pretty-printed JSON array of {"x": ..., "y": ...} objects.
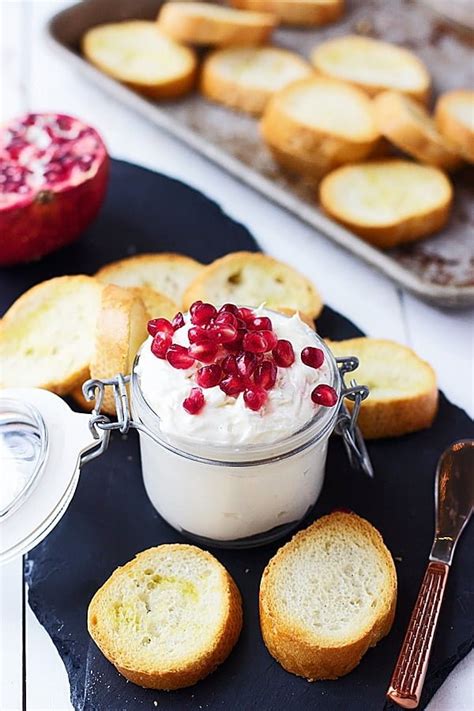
[{"x": 48, "y": 212}]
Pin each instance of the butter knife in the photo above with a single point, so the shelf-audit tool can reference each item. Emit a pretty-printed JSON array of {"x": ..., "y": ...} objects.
[{"x": 454, "y": 504}]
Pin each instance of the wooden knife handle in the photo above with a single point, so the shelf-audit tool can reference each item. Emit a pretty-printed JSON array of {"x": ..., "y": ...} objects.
[{"x": 410, "y": 671}]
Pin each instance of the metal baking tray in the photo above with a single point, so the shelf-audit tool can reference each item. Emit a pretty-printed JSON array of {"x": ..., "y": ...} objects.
[{"x": 439, "y": 269}]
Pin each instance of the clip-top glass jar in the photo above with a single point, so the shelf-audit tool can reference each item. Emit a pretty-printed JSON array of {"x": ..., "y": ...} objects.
[
  {"x": 217, "y": 495},
  {"x": 222, "y": 495}
]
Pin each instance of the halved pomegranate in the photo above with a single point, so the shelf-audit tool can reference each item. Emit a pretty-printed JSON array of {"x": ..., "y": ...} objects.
[{"x": 53, "y": 178}]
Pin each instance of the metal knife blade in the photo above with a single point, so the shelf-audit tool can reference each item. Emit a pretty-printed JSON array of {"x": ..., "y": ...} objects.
[{"x": 454, "y": 498}]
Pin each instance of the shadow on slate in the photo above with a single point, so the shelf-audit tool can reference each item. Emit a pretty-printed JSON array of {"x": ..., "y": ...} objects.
[{"x": 110, "y": 518}]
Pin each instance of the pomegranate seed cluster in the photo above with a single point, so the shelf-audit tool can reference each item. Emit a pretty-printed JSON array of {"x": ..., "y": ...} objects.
[
  {"x": 56, "y": 145},
  {"x": 232, "y": 348}
]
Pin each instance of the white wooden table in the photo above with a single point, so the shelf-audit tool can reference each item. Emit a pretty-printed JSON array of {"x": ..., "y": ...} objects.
[{"x": 31, "y": 78}]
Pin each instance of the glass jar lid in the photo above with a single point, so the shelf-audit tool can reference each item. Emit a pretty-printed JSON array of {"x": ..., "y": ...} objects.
[
  {"x": 23, "y": 452},
  {"x": 41, "y": 441}
]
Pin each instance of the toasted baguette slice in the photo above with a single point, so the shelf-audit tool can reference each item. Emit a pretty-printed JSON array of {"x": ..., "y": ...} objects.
[
  {"x": 403, "y": 391},
  {"x": 137, "y": 54},
  {"x": 156, "y": 304},
  {"x": 246, "y": 77},
  {"x": 201, "y": 23},
  {"x": 47, "y": 335},
  {"x": 407, "y": 124},
  {"x": 454, "y": 115},
  {"x": 252, "y": 279},
  {"x": 373, "y": 65},
  {"x": 327, "y": 596},
  {"x": 388, "y": 202},
  {"x": 297, "y": 12},
  {"x": 316, "y": 124},
  {"x": 168, "y": 618},
  {"x": 168, "y": 273},
  {"x": 120, "y": 331}
]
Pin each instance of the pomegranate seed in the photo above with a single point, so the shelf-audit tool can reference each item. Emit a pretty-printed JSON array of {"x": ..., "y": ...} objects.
[
  {"x": 270, "y": 339},
  {"x": 246, "y": 314},
  {"x": 209, "y": 375},
  {"x": 161, "y": 344},
  {"x": 224, "y": 334},
  {"x": 255, "y": 398},
  {"x": 283, "y": 354},
  {"x": 64, "y": 123},
  {"x": 194, "y": 402},
  {"x": 260, "y": 323},
  {"x": 226, "y": 319},
  {"x": 235, "y": 346},
  {"x": 194, "y": 306},
  {"x": 255, "y": 342},
  {"x": 313, "y": 357},
  {"x": 178, "y": 321},
  {"x": 324, "y": 395},
  {"x": 229, "y": 365},
  {"x": 229, "y": 308},
  {"x": 179, "y": 357},
  {"x": 232, "y": 385},
  {"x": 196, "y": 334},
  {"x": 246, "y": 364},
  {"x": 160, "y": 325},
  {"x": 265, "y": 375},
  {"x": 205, "y": 351},
  {"x": 202, "y": 314}
]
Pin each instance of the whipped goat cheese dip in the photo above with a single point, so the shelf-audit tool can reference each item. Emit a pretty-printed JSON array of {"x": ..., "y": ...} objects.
[
  {"x": 226, "y": 420},
  {"x": 230, "y": 475}
]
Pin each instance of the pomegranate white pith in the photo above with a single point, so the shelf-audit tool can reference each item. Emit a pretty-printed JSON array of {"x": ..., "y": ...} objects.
[{"x": 53, "y": 179}]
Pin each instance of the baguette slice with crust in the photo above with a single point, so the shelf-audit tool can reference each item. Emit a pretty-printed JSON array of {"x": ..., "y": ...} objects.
[
  {"x": 246, "y": 77},
  {"x": 47, "y": 335},
  {"x": 327, "y": 596},
  {"x": 373, "y": 65},
  {"x": 403, "y": 391},
  {"x": 297, "y": 12},
  {"x": 168, "y": 618},
  {"x": 168, "y": 273},
  {"x": 408, "y": 126},
  {"x": 137, "y": 54},
  {"x": 201, "y": 23},
  {"x": 156, "y": 305},
  {"x": 316, "y": 124},
  {"x": 454, "y": 115},
  {"x": 252, "y": 279},
  {"x": 388, "y": 202},
  {"x": 120, "y": 331}
]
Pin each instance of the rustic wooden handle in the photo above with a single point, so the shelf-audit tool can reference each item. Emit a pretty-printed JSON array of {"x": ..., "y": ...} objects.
[{"x": 410, "y": 671}]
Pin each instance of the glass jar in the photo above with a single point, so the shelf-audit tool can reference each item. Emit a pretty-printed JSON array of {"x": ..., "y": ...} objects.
[
  {"x": 235, "y": 496},
  {"x": 216, "y": 495}
]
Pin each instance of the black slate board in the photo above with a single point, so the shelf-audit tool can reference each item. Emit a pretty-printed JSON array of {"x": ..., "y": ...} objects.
[{"x": 110, "y": 518}]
